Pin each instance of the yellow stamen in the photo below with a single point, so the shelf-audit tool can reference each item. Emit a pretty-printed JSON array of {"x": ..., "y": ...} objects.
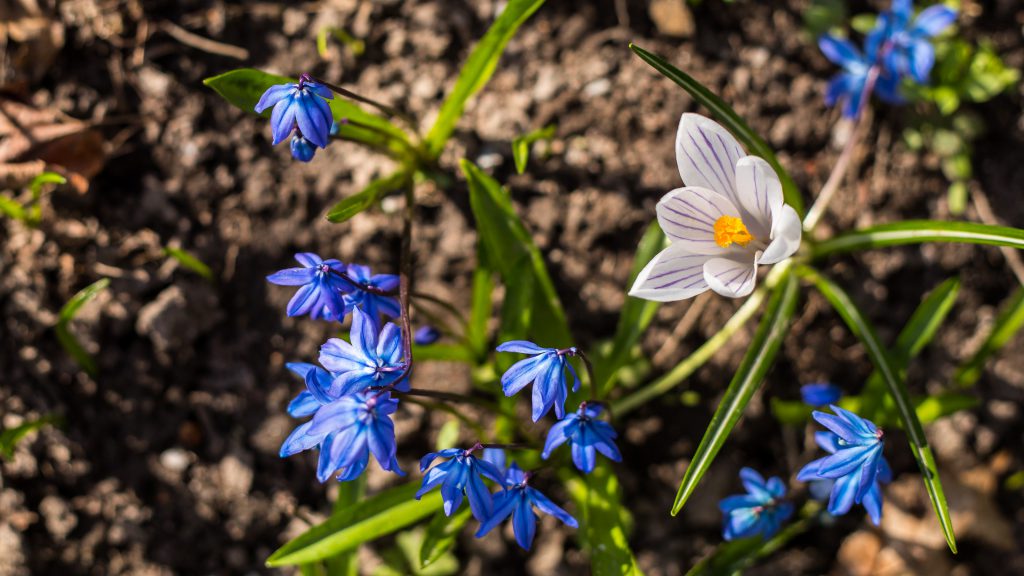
[{"x": 730, "y": 230}]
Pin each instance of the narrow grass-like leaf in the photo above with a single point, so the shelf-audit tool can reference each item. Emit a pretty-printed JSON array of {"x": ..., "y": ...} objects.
[
  {"x": 10, "y": 437},
  {"x": 481, "y": 305},
  {"x": 244, "y": 86},
  {"x": 349, "y": 494},
  {"x": 1006, "y": 326},
  {"x": 512, "y": 251},
  {"x": 67, "y": 314},
  {"x": 917, "y": 232},
  {"x": 865, "y": 332},
  {"x": 604, "y": 522},
  {"x": 441, "y": 534},
  {"x": 521, "y": 145},
  {"x": 729, "y": 118},
  {"x": 477, "y": 71},
  {"x": 382, "y": 514},
  {"x": 12, "y": 208},
  {"x": 634, "y": 318},
  {"x": 368, "y": 196},
  {"x": 443, "y": 353},
  {"x": 190, "y": 262},
  {"x": 751, "y": 372}
]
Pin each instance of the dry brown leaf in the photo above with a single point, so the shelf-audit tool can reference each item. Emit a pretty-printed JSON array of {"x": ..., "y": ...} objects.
[{"x": 29, "y": 41}]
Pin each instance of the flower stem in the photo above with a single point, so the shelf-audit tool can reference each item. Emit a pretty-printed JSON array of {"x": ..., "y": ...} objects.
[
  {"x": 842, "y": 164},
  {"x": 388, "y": 110},
  {"x": 594, "y": 392}
]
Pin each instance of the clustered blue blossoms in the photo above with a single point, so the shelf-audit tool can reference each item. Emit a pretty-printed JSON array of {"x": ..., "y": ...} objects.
[
  {"x": 760, "y": 511},
  {"x": 300, "y": 110},
  {"x": 898, "y": 48},
  {"x": 330, "y": 290}
]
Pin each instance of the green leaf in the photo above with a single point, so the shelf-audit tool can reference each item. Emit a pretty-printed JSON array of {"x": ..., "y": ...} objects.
[
  {"x": 604, "y": 522},
  {"x": 10, "y": 437},
  {"x": 190, "y": 262},
  {"x": 368, "y": 196},
  {"x": 729, "y": 118},
  {"x": 511, "y": 249},
  {"x": 521, "y": 145},
  {"x": 865, "y": 332},
  {"x": 244, "y": 86},
  {"x": 635, "y": 316},
  {"x": 443, "y": 353},
  {"x": 481, "y": 306},
  {"x": 12, "y": 208},
  {"x": 67, "y": 314},
  {"x": 1006, "y": 326},
  {"x": 477, "y": 71},
  {"x": 382, "y": 514},
  {"x": 441, "y": 534},
  {"x": 917, "y": 232},
  {"x": 756, "y": 362},
  {"x": 349, "y": 494},
  {"x": 37, "y": 183}
]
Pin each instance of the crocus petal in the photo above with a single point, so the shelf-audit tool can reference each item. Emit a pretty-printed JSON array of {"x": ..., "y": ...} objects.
[
  {"x": 760, "y": 194},
  {"x": 707, "y": 154},
  {"x": 688, "y": 216},
  {"x": 273, "y": 95},
  {"x": 932, "y": 20},
  {"x": 524, "y": 523},
  {"x": 548, "y": 507},
  {"x": 292, "y": 277},
  {"x": 787, "y": 231},
  {"x": 674, "y": 274},
  {"x": 732, "y": 277},
  {"x": 521, "y": 347}
]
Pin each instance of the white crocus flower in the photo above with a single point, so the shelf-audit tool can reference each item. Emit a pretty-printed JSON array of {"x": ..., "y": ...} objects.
[{"x": 727, "y": 220}]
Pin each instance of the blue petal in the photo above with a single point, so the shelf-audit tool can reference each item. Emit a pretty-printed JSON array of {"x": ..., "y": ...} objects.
[
  {"x": 339, "y": 356},
  {"x": 389, "y": 347},
  {"x": 320, "y": 90},
  {"x": 479, "y": 498},
  {"x": 932, "y": 20},
  {"x": 559, "y": 434},
  {"x": 302, "y": 149},
  {"x": 504, "y": 502},
  {"x": 495, "y": 457},
  {"x": 901, "y": 10},
  {"x": 318, "y": 383},
  {"x": 381, "y": 440},
  {"x": 834, "y": 423},
  {"x": 828, "y": 441},
  {"x": 820, "y": 394},
  {"x": 873, "y": 503},
  {"x": 300, "y": 368},
  {"x": 432, "y": 478},
  {"x": 548, "y": 507},
  {"x": 584, "y": 457},
  {"x": 304, "y": 299},
  {"x": 922, "y": 57},
  {"x": 385, "y": 282},
  {"x": 292, "y": 277},
  {"x": 739, "y": 501},
  {"x": 488, "y": 470},
  {"x": 282, "y": 120},
  {"x": 364, "y": 335},
  {"x": 326, "y": 466},
  {"x": 810, "y": 471},
  {"x": 844, "y": 492},
  {"x": 840, "y": 51},
  {"x": 273, "y": 95},
  {"x": 522, "y": 347},
  {"x": 845, "y": 461},
  {"x": 451, "y": 490},
  {"x": 521, "y": 374},
  {"x": 351, "y": 382},
  {"x": 862, "y": 426},
  {"x": 753, "y": 482},
  {"x": 305, "y": 404},
  {"x": 354, "y": 471},
  {"x": 524, "y": 523},
  {"x": 884, "y": 471},
  {"x": 741, "y": 523},
  {"x": 298, "y": 441},
  {"x": 776, "y": 487},
  {"x": 310, "y": 260}
]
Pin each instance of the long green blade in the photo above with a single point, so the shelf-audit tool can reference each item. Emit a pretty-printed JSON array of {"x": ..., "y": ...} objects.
[
  {"x": 604, "y": 522},
  {"x": 368, "y": 196},
  {"x": 477, "y": 71},
  {"x": 748, "y": 378},
  {"x": 917, "y": 232},
  {"x": 729, "y": 118},
  {"x": 382, "y": 514},
  {"x": 865, "y": 332},
  {"x": 1007, "y": 324},
  {"x": 67, "y": 314}
]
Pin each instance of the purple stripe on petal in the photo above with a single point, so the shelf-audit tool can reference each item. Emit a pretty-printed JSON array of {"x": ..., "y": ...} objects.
[
  {"x": 708, "y": 162},
  {"x": 709, "y": 222}
]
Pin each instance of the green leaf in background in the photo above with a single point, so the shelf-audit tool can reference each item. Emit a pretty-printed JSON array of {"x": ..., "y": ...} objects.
[
  {"x": 917, "y": 232},
  {"x": 604, "y": 522},
  {"x": 634, "y": 318},
  {"x": 729, "y": 118},
  {"x": 368, "y": 196},
  {"x": 10, "y": 437},
  {"x": 190, "y": 262},
  {"x": 477, "y": 71},
  {"x": 512, "y": 251},
  {"x": 823, "y": 15},
  {"x": 481, "y": 306},
  {"x": 349, "y": 494},
  {"x": 372, "y": 518},
  {"x": 1007, "y": 324},
  {"x": 356, "y": 46},
  {"x": 521, "y": 145},
  {"x": 403, "y": 558},
  {"x": 865, "y": 332},
  {"x": 756, "y": 362},
  {"x": 443, "y": 353},
  {"x": 67, "y": 314},
  {"x": 244, "y": 86},
  {"x": 441, "y": 534}
]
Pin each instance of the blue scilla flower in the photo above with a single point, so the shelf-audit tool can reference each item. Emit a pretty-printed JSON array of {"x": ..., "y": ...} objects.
[
  {"x": 840, "y": 493},
  {"x": 855, "y": 460},
  {"x": 518, "y": 500},
  {"x": 306, "y": 403},
  {"x": 373, "y": 304},
  {"x": 322, "y": 291},
  {"x": 302, "y": 105},
  {"x": 760, "y": 511},
  {"x": 586, "y": 434},
  {"x": 546, "y": 370},
  {"x": 904, "y": 45},
  {"x": 374, "y": 358},
  {"x": 462, "y": 474},
  {"x": 820, "y": 394},
  {"x": 850, "y": 87},
  {"x": 348, "y": 430},
  {"x": 302, "y": 149},
  {"x": 425, "y": 335}
]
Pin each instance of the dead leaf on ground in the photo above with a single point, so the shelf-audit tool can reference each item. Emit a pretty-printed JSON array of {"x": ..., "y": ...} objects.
[{"x": 29, "y": 43}]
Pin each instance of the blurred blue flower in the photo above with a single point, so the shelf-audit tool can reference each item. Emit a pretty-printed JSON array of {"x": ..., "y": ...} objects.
[
  {"x": 372, "y": 359},
  {"x": 904, "y": 45},
  {"x": 820, "y": 394},
  {"x": 518, "y": 500},
  {"x": 303, "y": 106},
  {"x": 546, "y": 370},
  {"x": 426, "y": 335},
  {"x": 586, "y": 434},
  {"x": 372, "y": 304},
  {"x": 837, "y": 492},
  {"x": 462, "y": 473},
  {"x": 855, "y": 461},
  {"x": 322, "y": 292},
  {"x": 760, "y": 511},
  {"x": 302, "y": 149}
]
